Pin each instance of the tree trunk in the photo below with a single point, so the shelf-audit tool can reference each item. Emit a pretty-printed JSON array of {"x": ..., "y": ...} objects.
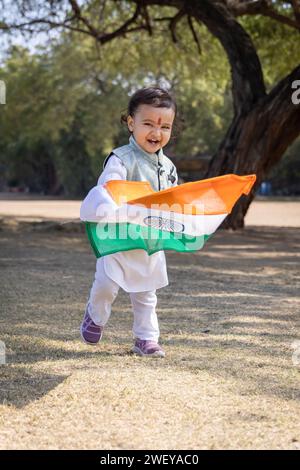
[
  {"x": 256, "y": 141},
  {"x": 264, "y": 125},
  {"x": 54, "y": 185}
]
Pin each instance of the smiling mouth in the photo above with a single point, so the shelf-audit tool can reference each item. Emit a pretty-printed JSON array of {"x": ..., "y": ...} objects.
[{"x": 153, "y": 141}]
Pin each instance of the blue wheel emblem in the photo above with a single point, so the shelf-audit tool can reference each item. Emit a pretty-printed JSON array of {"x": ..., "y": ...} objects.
[{"x": 162, "y": 223}]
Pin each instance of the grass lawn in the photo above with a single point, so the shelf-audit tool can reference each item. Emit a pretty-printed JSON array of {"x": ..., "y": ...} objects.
[{"x": 228, "y": 320}]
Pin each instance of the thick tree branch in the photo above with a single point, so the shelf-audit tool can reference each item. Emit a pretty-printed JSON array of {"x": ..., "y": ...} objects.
[
  {"x": 254, "y": 143},
  {"x": 104, "y": 38},
  {"x": 78, "y": 17},
  {"x": 272, "y": 125},
  {"x": 264, "y": 8},
  {"x": 81, "y": 19},
  {"x": 283, "y": 116},
  {"x": 247, "y": 78},
  {"x": 174, "y": 22}
]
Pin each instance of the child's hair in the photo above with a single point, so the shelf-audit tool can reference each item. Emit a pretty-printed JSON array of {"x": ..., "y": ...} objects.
[{"x": 154, "y": 96}]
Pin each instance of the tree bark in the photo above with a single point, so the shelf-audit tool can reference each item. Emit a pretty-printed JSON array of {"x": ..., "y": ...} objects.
[{"x": 256, "y": 141}]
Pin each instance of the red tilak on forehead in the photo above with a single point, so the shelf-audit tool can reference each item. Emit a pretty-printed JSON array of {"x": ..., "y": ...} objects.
[{"x": 159, "y": 120}]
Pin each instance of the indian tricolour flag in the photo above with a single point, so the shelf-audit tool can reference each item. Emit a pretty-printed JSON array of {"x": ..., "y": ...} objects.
[{"x": 180, "y": 218}]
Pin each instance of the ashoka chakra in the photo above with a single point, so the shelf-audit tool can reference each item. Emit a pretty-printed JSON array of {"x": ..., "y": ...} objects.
[{"x": 163, "y": 224}]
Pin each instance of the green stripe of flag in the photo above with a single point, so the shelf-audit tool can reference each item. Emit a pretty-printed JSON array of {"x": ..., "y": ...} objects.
[{"x": 106, "y": 238}]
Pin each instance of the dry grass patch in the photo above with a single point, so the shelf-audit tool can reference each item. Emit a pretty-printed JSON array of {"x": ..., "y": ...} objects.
[{"x": 228, "y": 319}]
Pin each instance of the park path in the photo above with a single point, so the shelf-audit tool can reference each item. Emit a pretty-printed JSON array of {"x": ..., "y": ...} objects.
[{"x": 261, "y": 213}]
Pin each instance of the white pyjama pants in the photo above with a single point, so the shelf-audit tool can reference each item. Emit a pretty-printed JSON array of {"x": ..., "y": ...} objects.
[{"x": 103, "y": 294}]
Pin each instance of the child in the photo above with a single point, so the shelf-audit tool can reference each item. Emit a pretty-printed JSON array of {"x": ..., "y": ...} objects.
[{"x": 150, "y": 117}]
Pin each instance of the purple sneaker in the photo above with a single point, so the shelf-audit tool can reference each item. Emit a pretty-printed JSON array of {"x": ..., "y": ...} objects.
[
  {"x": 146, "y": 347},
  {"x": 90, "y": 332}
]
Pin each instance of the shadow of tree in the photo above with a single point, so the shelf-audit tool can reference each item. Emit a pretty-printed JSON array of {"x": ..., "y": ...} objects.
[
  {"x": 241, "y": 289},
  {"x": 20, "y": 386}
]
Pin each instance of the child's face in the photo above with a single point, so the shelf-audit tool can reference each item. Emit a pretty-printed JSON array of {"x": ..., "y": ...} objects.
[{"x": 151, "y": 127}]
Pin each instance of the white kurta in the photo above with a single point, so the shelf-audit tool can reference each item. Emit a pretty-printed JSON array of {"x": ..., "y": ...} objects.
[{"x": 134, "y": 270}]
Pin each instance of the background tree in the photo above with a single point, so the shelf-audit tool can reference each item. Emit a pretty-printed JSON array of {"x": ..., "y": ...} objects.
[
  {"x": 264, "y": 122},
  {"x": 50, "y": 88}
]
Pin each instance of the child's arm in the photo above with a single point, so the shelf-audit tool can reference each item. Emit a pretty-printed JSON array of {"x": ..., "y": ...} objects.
[{"x": 114, "y": 170}]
